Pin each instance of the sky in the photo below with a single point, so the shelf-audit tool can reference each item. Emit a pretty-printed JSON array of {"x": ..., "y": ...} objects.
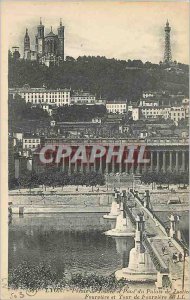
[{"x": 121, "y": 30}]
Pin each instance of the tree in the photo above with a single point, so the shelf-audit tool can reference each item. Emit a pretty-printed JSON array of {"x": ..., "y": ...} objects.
[
  {"x": 110, "y": 78},
  {"x": 21, "y": 113}
]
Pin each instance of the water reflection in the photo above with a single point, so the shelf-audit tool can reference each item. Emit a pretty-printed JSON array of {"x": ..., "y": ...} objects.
[{"x": 70, "y": 242}]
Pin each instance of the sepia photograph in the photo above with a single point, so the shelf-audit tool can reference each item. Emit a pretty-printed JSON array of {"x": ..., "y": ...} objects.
[{"x": 95, "y": 150}]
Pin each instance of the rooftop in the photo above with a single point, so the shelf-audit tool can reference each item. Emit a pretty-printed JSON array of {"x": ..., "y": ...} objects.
[
  {"x": 116, "y": 102},
  {"x": 39, "y": 90}
]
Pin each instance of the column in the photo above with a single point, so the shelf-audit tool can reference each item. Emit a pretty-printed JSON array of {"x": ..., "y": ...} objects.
[
  {"x": 88, "y": 166},
  {"x": 94, "y": 165},
  {"x": 137, "y": 165},
  {"x": 69, "y": 167},
  {"x": 170, "y": 161},
  {"x": 120, "y": 167},
  {"x": 17, "y": 168},
  {"x": 63, "y": 165},
  {"x": 126, "y": 165},
  {"x": 177, "y": 161},
  {"x": 138, "y": 168},
  {"x": 113, "y": 165},
  {"x": 144, "y": 168},
  {"x": 100, "y": 168},
  {"x": 82, "y": 167},
  {"x": 183, "y": 161},
  {"x": 157, "y": 161},
  {"x": 75, "y": 170},
  {"x": 107, "y": 166},
  {"x": 151, "y": 160},
  {"x": 132, "y": 168},
  {"x": 164, "y": 161},
  {"x": 88, "y": 163}
]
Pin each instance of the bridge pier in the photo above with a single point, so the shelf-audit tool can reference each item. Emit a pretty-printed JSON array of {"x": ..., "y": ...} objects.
[
  {"x": 115, "y": 210},
  {"x": 123, "y": 225},
  {"x": 161, "y": 277},
  {"x": 141, "y": 267}
]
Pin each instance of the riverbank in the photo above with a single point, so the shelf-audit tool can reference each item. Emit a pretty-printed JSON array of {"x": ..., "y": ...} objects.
[{"x": 88, "y": 199}]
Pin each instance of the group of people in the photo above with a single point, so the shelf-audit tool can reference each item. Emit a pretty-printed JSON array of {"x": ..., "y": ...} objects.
[{"x": 175, "y": 257}]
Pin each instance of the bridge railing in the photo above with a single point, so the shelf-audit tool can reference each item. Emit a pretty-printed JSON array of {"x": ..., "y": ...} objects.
[
  {"x": 129, "y": 214},
  {"x": 182, "y": 245},
  {"x": 158, "y": 263},
  {"x": 162, "y": 224}
]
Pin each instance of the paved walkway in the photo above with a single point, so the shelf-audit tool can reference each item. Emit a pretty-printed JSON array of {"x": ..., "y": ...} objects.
[{"x": 158, "y": 240}]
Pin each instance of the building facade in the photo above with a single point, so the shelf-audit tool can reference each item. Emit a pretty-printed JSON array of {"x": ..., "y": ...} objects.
[
  {"x": 165, "y": 155},
  {"x": 83, "y": 98},
  {"x": 177, "y": 114},
  {"x": 149, "y": 102},
  {"x": 31, "y": 142},
  {"x": 37, "y": 96},
  {"x": 116, "y": 107}
]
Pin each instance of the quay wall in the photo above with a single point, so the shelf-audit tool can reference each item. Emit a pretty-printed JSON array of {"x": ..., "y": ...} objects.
[{"x": 60, "y": 203}]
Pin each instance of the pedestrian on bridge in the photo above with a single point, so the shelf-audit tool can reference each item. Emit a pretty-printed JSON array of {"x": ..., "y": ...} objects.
[
  {"x": 174, "y": 258},
  {"x": 180, "y": 256},
  {"x": 170, "y": 243},
  {"x": 163, "y": 250}
]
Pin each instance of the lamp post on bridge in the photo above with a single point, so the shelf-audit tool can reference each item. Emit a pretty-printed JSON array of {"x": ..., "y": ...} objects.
[{"x": 183, "y": 277}]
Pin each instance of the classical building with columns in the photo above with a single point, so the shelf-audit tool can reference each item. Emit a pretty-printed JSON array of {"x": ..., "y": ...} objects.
[{"x": 165, "y": 155}]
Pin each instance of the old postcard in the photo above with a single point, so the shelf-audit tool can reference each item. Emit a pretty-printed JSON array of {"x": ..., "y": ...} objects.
[{"x": 95, "y": 150}]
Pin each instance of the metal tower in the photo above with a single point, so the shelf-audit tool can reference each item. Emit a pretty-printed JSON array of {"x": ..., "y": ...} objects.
[{"x": 167, "y": 52}]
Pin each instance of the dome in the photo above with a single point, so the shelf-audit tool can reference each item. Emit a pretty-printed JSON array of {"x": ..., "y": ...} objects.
[{"x": 51, "y": 34}]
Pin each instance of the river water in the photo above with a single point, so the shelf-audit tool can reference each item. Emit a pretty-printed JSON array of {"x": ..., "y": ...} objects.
[{"x": 71, "y": 242}]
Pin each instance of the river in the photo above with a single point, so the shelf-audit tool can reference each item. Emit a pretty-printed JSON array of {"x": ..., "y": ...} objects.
[{"x": 71, "y": 242}]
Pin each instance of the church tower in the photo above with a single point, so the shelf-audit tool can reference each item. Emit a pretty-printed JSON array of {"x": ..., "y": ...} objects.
[
  {"x": 40, "y": 39},
  {"x": 61, "y": 39},
  {"x": 26, "y": 45}
]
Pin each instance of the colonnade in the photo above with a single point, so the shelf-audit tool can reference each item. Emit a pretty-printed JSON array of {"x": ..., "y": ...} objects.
[{"x": 159, "y": 161}]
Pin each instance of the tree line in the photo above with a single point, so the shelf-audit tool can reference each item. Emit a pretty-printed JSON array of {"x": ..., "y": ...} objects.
[
  {"x": 53, "y": 177},
  {"x": 23, "y": 115},
  {"x": 20, "y": 113},
  {"x": 109, "y": 78},
  {"x": 79, "y": 113},
  {"x": 165, "y": 178}
]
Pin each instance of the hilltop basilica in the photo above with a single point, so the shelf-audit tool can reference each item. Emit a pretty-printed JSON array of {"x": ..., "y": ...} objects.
[{"x": 49, "y": 49}]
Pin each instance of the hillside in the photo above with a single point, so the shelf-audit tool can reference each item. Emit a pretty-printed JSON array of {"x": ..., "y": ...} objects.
[{"x": 109, "y": 78}]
